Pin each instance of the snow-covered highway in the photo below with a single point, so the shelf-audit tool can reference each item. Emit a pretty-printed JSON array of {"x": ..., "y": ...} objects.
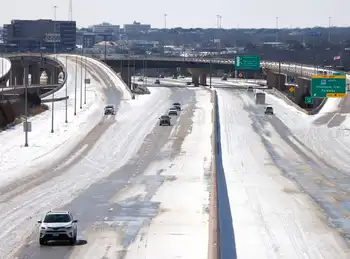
[
  {"x": 270, "y": 167},
  {"x": 127, "y": 180}
]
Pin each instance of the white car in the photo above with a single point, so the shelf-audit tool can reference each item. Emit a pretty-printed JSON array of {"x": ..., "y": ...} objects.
[
  {"x": 57, "y": 226},
  {"x": 172, "y": 111}
]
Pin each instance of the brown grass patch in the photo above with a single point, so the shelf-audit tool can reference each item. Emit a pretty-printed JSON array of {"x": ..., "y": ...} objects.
[{"x": 38, "y": 109}]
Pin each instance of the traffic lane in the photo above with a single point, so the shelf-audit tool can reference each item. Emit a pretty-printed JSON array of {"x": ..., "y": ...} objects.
[
  {"x": 327, "y": 185},
  {"x": 113, "y": 96},
  {"x": 102, "y": 211}
]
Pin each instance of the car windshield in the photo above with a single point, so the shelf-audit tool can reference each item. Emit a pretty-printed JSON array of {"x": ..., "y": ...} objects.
[
  {"x": 268, "y": 108},
  {"x": 176, "y": 104},
  {"x": 164, "y": 117},
  {"x": 109, "y": 107},
  {"x": 57, "y": 218}
]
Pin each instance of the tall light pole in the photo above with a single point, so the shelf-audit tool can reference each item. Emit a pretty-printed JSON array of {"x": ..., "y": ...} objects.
[
  {"x": 25, "y": 81},
  {"x": 2, "y": 74},
  {"x": 81, "y": 79},
  {"x": 165, "y": 16},
  {"x": 85, "y": 80},
  {"x": 53, "y": 77},
  {"x": 277, "y": 28},
  {"x": 66, "y": 115},
  {"x": 329, "y": 29},
  {"x": 75, "y": 85}
]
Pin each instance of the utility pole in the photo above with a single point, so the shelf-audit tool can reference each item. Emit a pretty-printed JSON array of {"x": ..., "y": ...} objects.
[
  {"x": 165, "y": 16},
  {"x": 329, "y": 29},
  {"x": 85, "y": 80},
  {"x": 25, "y": 81},
  {"x": 277, "y": 39},
  {"x": 53, "y": 76},
  {"x": 75, "y": 86},
  {"x": 2, "y": 74},
  {"x": 81, "y": 78},
  {"x": 66, "y": 75}
]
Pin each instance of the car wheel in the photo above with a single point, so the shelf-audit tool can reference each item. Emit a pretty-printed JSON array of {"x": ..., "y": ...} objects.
[
  {"x": 72, "y": 240},
  {"x": 42, "y": 241}
]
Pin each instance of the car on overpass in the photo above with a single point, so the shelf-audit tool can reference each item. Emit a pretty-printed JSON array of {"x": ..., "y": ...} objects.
[{"x": 157, "y": 82}]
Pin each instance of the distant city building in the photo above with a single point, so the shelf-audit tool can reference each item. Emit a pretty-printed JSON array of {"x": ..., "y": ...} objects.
[
  {"x": 89, "y": 40},
  {"x": 40, "y": 35},
  {"x": 105, "y": 28},
  {"x": 136, "y": 27}
]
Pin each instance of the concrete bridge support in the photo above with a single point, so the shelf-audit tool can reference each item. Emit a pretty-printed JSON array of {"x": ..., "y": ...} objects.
[
  {"x": 276, "y": 80},
  {"x": 199, "y": 76},
  {"x": 35, "y": 73},
  {"x": 195, "y": 80},
  {"x": 203, "y": 79},
  {"x": 52, "y": 75}
]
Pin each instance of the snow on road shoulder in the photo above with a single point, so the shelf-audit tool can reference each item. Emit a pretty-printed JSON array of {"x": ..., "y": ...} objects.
[
  {"x": 269, "y": 212},
  {"x": 19, "y": 161},
  {"x": 181, "y": 228}
]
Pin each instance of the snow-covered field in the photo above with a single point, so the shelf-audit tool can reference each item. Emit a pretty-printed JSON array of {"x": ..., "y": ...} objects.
[
  {"x": 269, "y": 212},
  {"x": 5, "y": 66},
  {"x": 181, "y": 229}
]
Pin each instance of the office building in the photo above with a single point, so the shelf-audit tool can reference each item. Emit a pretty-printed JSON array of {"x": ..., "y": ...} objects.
[
  {"x": 106, "y": 28},
  {"x": 136, "y": 27},
  {"x": 40, "y": 35},
  {"x": 89, "y": 40}
]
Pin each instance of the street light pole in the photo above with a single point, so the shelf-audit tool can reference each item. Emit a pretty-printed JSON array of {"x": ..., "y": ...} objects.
[
  {"x": 53, "y": 77},
  {"x": 25, "y": 81},
  {"x": 2, "y": 74},
  {"x": 66, "y": 115},
  {"x": 85, "y": 80},
  {"x": 329, "y": 29},
  {"x": 81, "y": 80},
  {"x": 277, "y": 29},
  {"x": 211, "y": 74},
  {"x": 75, "y": 86}
]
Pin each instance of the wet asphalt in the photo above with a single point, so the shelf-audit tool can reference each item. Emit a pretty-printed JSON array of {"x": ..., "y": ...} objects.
[
  {"x": 327, "y": 185},
  {"x": 95, "y": 208}
]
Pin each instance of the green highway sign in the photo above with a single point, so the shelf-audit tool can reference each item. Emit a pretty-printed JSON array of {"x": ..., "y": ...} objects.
[
  {"x": 247, "y": 62},
  {"x": 308, "y": 100},
  {"x": 338, "y": 73},
  {"x": 328, "y": 86}
]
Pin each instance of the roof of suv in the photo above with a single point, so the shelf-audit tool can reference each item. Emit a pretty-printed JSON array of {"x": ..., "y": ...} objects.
[{"x": 58, "y": 212}]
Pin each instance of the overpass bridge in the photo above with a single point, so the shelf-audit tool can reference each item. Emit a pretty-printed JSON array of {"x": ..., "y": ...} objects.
[
  {"x": 200, "y": 68},
  {"x": 22, "y": 65}
]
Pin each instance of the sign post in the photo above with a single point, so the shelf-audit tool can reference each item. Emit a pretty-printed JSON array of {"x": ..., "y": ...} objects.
[
  {"x": 328, "y": 86},
  {"x": 247, "y": 62}
]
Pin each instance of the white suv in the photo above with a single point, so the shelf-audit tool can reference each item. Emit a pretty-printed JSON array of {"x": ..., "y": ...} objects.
[{"x": 58, "y": 225}]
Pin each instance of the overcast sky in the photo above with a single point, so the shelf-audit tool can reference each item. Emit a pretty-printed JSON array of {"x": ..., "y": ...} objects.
[{"x": 186, "y": 13}]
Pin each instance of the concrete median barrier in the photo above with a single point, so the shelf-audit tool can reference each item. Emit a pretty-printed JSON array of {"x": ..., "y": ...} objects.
[{"x": 213, "y": 245}]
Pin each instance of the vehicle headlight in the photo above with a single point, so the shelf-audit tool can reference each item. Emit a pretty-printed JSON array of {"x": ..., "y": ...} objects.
[
  {"x": 43, "y": 227},
  {"x": 69, "y": 227}
]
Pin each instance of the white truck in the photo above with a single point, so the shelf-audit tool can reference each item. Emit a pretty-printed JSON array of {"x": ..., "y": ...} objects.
[{"x": 260, "y": 98}]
